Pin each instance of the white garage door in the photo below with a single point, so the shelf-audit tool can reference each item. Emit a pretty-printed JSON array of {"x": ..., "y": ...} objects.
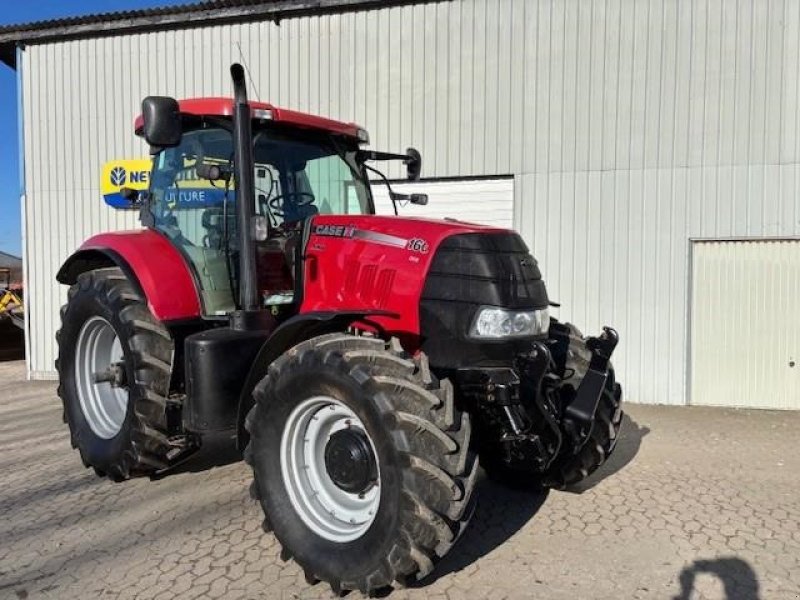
[
  {"x": 486, "y": 201},
  {"x": 745, "y": 321}
]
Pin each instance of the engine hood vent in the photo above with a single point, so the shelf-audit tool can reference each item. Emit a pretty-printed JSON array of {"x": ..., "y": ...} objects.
[{"x": 486, "y": 269}]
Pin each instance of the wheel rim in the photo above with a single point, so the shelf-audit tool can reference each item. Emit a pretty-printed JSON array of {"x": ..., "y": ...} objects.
[
  {"x": 326, "y": 508},
  {"x": 104, "y": 404}
]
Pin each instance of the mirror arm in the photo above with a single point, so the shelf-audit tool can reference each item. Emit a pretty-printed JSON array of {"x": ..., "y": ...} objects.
[
  {"x": 364, "y": 155},
  {"x": 411, "y": 159},
  {"x": 392, "y": 194}
]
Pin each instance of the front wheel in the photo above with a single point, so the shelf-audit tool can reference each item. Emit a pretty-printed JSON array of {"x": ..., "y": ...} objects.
[
  {"x": 361, "y": 462},
  {"x": 572, "y": 464},
  {"x": 572, "y": 467}
]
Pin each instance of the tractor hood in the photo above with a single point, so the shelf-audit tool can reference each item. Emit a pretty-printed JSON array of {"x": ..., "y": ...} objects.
[{"x": 392, "y": 264}]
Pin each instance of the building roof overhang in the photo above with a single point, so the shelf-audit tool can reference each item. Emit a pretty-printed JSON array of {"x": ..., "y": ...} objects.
[{"x": 197, "y": 14}]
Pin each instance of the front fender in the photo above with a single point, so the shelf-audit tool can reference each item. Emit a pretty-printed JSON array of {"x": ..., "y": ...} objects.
[
  {"x": 150, "y": 261},
  {"x": 290, "y": 333}
]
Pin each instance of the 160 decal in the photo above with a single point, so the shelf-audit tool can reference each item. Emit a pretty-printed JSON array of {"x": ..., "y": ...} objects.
[{"x": 418, "y": 245}]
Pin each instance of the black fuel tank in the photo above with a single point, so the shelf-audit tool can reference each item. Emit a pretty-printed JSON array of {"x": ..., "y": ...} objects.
[{"x": 217, "y": 364}]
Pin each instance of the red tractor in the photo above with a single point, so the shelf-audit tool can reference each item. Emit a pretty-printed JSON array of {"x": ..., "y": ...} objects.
[{"x": 363, "y": 362}]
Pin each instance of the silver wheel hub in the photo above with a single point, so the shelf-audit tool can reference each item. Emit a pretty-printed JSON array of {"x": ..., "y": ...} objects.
[
  {"x": 100, "y": 377},
  {"x": 330, "y": 469}
]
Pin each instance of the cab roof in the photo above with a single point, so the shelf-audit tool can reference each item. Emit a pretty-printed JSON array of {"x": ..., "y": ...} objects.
[{"x": 223, "y": 107}]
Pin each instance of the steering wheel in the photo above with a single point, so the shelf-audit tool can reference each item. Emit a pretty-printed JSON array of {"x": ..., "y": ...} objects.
[{"x": 276, "y": 203}]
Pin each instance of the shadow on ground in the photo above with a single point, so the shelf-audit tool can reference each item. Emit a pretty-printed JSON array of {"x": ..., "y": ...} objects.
[
  {"x": 738, "y": 578},
  {"x": 501, "y": 512},
  {"x": 12, "y": 342},
  {"x": 628, "y": 446}
]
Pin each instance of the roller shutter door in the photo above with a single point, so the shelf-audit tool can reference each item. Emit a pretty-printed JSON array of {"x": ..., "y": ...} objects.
[
  {"x": 745, "y": 324},
  {"x": 485, "y": 201}
]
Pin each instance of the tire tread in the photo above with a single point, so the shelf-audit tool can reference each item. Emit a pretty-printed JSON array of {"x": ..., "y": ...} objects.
[
  {"x": 151, "y": 352},
  {"x": 419, "y": 410},
  {"x": 572, "y": 468}
]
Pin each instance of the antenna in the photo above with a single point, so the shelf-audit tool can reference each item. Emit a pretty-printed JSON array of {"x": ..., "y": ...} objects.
[{"x": 247, "y": 70}]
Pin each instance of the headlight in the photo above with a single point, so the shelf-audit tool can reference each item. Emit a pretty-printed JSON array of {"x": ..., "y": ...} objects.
[{"x": 499, "y": 323}]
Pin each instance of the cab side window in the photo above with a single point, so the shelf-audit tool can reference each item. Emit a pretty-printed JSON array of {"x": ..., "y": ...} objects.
[{"x": 198, "y": 215}]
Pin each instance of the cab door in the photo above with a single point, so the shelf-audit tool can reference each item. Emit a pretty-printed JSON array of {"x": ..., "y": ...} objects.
[{"x": 197, "y": 215}]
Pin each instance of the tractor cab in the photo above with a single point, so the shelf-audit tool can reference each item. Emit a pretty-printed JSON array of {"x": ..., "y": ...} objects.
[
  {"x": 302, "y": 166},
  {"x": 298, "y": 172}
]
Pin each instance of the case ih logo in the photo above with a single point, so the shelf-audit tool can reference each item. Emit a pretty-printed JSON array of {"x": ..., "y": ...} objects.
[
  {"x": 334, "y": 230},
  {"x": 418, "y": 245},
  {"x": 118, "y": 176}
]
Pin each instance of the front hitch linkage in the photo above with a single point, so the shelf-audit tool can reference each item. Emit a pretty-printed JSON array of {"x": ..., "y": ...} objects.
[{"x": 580, "y": 412}]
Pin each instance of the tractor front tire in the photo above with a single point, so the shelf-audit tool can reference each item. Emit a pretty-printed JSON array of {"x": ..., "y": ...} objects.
[
  {"x": 572, "y": 467},
  {"x": 107, "y": 331},
  {"x": 361, "y": 462}
]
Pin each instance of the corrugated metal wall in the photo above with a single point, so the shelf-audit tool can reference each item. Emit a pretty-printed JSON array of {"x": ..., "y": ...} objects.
[{"x": 629, "y": 126}]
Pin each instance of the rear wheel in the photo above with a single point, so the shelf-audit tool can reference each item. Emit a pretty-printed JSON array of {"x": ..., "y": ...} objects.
[
  {"x": 361, "y": 462},
  {"x": 114, "y": 368}
]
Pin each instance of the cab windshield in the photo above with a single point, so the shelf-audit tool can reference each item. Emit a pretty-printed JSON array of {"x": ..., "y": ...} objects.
[
  {"x": 296, "y": 176},
  {"x": 294, "y": 179}
]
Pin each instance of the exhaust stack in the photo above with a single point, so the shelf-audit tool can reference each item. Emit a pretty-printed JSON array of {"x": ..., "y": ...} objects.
[{"x": 245, "y": 192}]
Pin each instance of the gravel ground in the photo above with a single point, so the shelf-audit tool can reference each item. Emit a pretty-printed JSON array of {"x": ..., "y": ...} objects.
[{"x": 695, "y": 503}]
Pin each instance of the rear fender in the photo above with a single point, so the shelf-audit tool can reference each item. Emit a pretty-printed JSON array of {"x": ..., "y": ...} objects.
[
  {"x": 290, "y": 333},
  {"x": 150, "y": 262}
]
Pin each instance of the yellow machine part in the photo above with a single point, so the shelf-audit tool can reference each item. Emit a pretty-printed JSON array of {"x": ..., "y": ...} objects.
[{"x": 11, "y": 307}]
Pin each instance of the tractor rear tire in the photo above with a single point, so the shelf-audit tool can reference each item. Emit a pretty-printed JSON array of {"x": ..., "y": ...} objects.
[
  {"x": 419, "y": 498},
  {"x": 570, "y": 468},
  {"x": 120, "y": 429}
]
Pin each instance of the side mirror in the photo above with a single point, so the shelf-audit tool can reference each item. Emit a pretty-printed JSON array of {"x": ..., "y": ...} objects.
[
  {"x": 161, "y": 121},
  {"x": 413, "y": 164},
  {"x": 421, "y": 199}
]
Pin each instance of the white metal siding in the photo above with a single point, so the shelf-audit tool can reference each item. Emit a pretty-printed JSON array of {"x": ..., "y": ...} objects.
[
  {"x": 629, "y": 125},
  {"x": 488, "y": 201},
  {"x": 745, "y": 326}
]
